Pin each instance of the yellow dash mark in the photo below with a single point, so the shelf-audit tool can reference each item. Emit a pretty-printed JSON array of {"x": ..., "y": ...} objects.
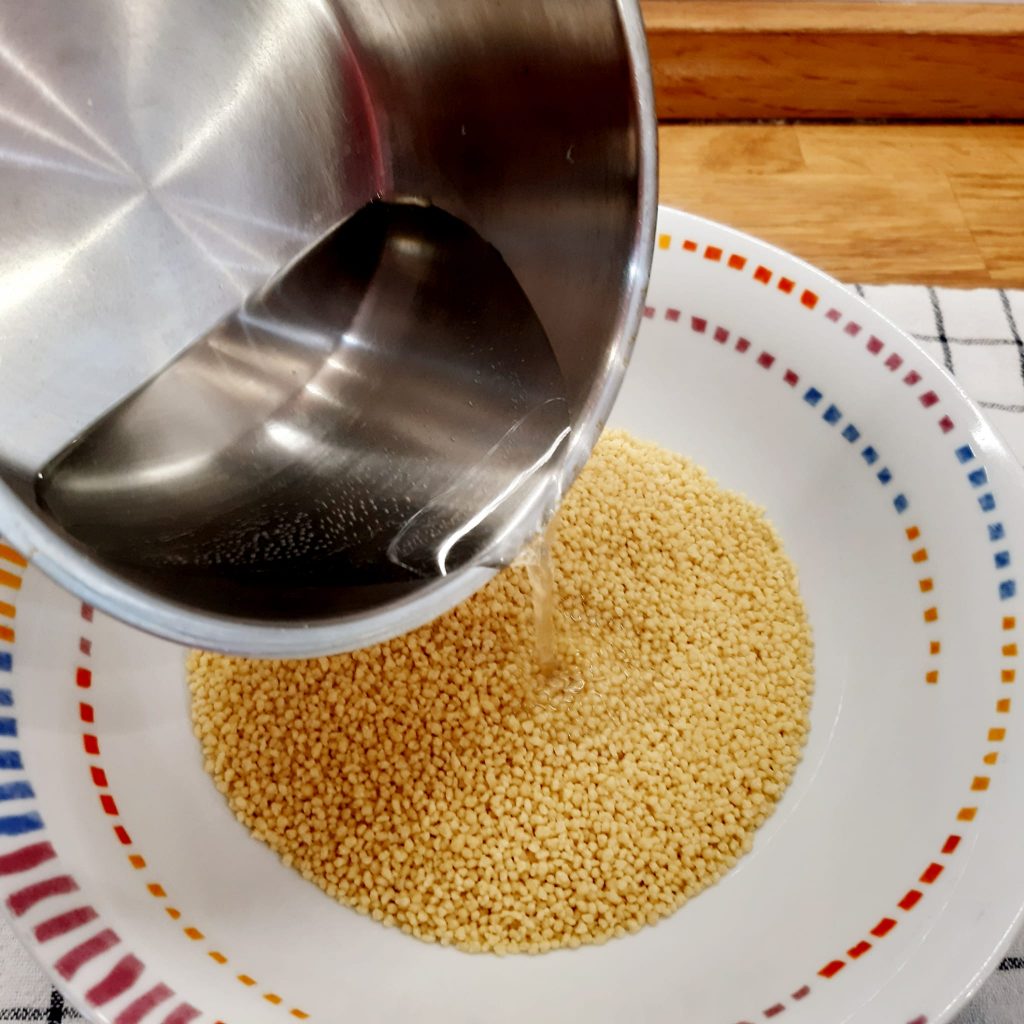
[
  {"x": 194, "y": 933},
  {"x": 8, "y": 579},
  {"x": 8, "y": 611},
  {"x": 967, "y": 814},
  {"x": 10, "y": 555},
  {"x": 219, "y": 958},
  {"x": 996, "y": 735},
  {"x": 172, "y": 913},
  {"x": 138, "y": 862},
  {"x": 980, "y": 783},
  {"x": 246, "y": 980},
  {"x": 991, "y": 758},
  {"x": 272, "y": 997},
  {"x": 1009, "y": 650},
  {"x": 664, "y": 241},
  {"x": 157, "y": 890}
]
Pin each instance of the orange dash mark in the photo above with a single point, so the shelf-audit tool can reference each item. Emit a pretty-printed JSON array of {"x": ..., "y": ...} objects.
[
  {"x": 926, "y": 585},
  {"x": 157, "y": 890},
  {"x": 8, "y": 579},
  {"x": 913, "y": 533},
  {"x": 713, "y": 253},
  {"x": 1009, "y": 622},
  {"x": 996, "y": 735},
  {"x": 246, "y": 980},
  {"x": 931, "y": 614},
  {"x": 1003, "y": 706},
  {"x": 991, "y": 757},
  {"x": 300, "y": 1015},
  {"x": 194, "y": 933},
  {"x": 138, "y": 862},
  {"x": 1009, "y": 650},
  {"x": 8, "y": 611},
  {"x": 762, "y": 274},
  {"x": 967, "y": 814},
  {"x": 173, "y": 913},
  {"x": 931, "y": 677},
  {"x": 219, "y": 958},
  {"x": 920, "y": 555},
  {"x": 689, "y": 245},
  {"x": 6, "y": 633},
  {"x": 737, "y": 262},
  {"x": 10, "y": 555},
  {"x": 272, "y": 997},
  {"x": 1008, "y": 675},
  {"x": 980, "y": 783},
  {"x": 934, "y": 647}
]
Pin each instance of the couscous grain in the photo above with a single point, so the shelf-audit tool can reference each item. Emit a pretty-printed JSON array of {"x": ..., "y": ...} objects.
[{"x": 439, "y": 784}]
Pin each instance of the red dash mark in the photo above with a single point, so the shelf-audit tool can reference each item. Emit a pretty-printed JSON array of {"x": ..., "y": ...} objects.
[
  {"x": 930, "y": 873},
  {"x": 742, "y": 345},
  {"x": 874, "y": 345},
  {"x": 910, "y": 900},
  {"x": 774, "y": 1011},
  {"x": 883, "y": 927},
  {"x": 791, "y": 378},
  {"x": 802, "y": 993},
  {"x": 67, "y": 966},
  {"x": 834, "y": 315},
  {"x": 91, "y": 744},
  {"x": 122, "y": 976},
  {"x": 809, "y": 299},
  {"x": 765, "y": 359},
  {"x": 929, "y": 398},
  {"x": 950, "y": 845},
  {"x": 860, "y": 949},
  {"x": 762, "y": 274},
  {"x": 912, "y": 378},
  {"x": 136, "y": 1010},
  {"x": 26, "y": 858},
  {"x": 122, "y": 835},
  {"x": 919, "y": 1020},
  {"x": 721, "y": 335},
  {"x": 87, "y": 612},
  {"x": 786, "y": 285},
  {"x": 698, "y": 324},
  {"x": 689, "y": 245},
  {"x": 946, "y": 424},
  {"x": 25, "y": 899},
  {"x": 184, "y": 1014},
  {"x": 737, "y": 262},
  {"x": 830, "y": 970},
  {"x": 672, "y": 315},
  {"x": 64, "y": 923},
  {"x": 852, "y": 329},
  {"x": 86, "y": 713},
  {"x": 85, "y": 645},
  {"x": 83, "y": 678},
  {"x": 648, "y": 312},
  {"x": 108, "y": 805},
  {"x": 712, "y": 252},
  {"x": 99, "y": 777},
  {"x": 894, "y": 362}
]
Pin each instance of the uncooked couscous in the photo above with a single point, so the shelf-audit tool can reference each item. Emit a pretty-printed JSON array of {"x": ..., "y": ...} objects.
[{"x": 440, "y": 783}]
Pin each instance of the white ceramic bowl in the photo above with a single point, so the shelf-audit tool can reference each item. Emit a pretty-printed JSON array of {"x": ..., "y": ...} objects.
[{"x": 882, "y": 889}]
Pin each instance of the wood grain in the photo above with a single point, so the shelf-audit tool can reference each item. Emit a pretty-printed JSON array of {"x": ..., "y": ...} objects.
[
  {"x": 869, "y": 203},
  {"x": 739, "y": 59}
]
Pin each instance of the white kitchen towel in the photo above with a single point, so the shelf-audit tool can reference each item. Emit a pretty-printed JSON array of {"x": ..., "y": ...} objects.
[{"x": 976, "y": 335}]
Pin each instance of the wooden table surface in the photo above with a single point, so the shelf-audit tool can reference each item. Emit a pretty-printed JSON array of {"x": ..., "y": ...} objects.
[{"x": 923, "y": 204}]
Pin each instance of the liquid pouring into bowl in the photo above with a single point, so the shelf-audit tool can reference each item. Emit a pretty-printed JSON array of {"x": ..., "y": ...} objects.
[{"x": 384, "y": 411}]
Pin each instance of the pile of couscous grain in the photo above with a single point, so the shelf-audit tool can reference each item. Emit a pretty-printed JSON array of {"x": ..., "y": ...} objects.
[{"x": 439, "y": 784}]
